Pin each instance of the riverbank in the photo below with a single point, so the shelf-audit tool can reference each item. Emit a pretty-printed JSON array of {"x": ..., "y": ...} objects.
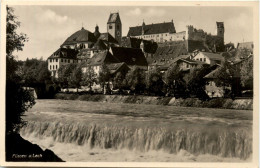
[
  {"x": 21, "y": 150},
  {"x": 225, "y": 103}
]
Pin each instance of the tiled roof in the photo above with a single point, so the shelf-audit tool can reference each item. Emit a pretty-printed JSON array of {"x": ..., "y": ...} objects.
[
  {"x": 113, "y": 17},
  {"x": 80, "y": 36},
  {"x": 169, "y": 51},
  {"x": 99, "y": 45},
  {"x": 107, "y": 37},
  {"x": 101, "y": 58},
  {"x": 149, "y": 46},
  {"x": 130, "y": 56},
  {"x": 166, "y": 27},
  {"x": 213, "y": 56},
  {"x": 65, "y": 53},
  {"x": 213, "y": 73},
  {"x": 114, "y": 67}
]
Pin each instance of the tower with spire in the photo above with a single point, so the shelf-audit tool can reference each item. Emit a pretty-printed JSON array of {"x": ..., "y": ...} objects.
[{"x": 114, "y": 26}]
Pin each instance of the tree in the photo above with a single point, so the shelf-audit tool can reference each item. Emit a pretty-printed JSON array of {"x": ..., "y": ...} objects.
[
  {"x": 64, "y": 73},
  {"x": 18, "y": 100},
  {"x": 225, "y": 74},
  {"x": 35, "y": 72},
  {"x": 76, "y": 77},
  {"x": 120, "y": 82},
  {"x": 104, "y": 77},
  {"x": 175, "y": 81},
  {"x": 196, "y": 82},
  {"x": 155, "y": 82},
  {"x": 89, "y": 78},
  {"x": 247, "y": 73},
  {"x": 136, "y": 80}
]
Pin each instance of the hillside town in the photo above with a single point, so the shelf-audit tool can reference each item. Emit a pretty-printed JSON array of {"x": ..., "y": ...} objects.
[{"x": 168, "y": 62}]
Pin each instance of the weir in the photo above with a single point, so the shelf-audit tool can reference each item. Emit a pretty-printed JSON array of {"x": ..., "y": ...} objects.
[
  {"x": 227, "y": 143},
  {"x": 142, "y": 128}
]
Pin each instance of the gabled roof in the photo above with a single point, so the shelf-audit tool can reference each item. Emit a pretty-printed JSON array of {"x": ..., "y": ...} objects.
[
  {"x": 193, "y": 62},
  {"x": 82, "y": 35},
  {"x": 213, "y": 56},
  {"x": 166, "y": 27},
  {"x": 114, "y": 67},
  {"x": 107, "y": 37},
  {"x": 131, "y": 56},
  {"x": 113, "y": 17},
  {"x": 102, "y": 58},
  {"x": 130, "y": 42},
  {"x": 99, "y": 45},
  {"x": 213, "y": 73},
  {"x": 169, "y": 51},
  {"x": 64, "y": 53}
]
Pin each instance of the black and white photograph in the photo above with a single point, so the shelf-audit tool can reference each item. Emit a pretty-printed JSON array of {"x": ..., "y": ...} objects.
[{"x": 130, "y": 82}]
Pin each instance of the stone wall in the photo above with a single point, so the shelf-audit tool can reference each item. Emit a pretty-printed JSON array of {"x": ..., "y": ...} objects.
[{"x": 239, "y": 104}]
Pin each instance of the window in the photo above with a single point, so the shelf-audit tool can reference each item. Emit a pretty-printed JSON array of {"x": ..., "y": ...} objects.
[
  {"x": 110, "y": 27},
  {"x": 187, "y": 65},
  {"x": 204, "y": 59},
  {"x": 65, "y": 60},
  {"x": 56, "y": 60},
  {"x": 56, "y": 66},
  {"x": 50, "y": 66},
  {"x": 200, "y": 59},
  {"x": 165, "y": 34},
  {"x": 68, "y": 61},
  {"x": 61, "y": 60},
  {"x": 50, "y": 60},
  {"x": 53, "y": 67}
]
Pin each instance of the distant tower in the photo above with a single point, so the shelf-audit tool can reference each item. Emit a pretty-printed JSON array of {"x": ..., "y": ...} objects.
[
  {"x": 220, "y": 29},
  {"x": 143, "y": 25},
  {"x": 97, "y": 33},
  {"x": 114, "y": 26}
]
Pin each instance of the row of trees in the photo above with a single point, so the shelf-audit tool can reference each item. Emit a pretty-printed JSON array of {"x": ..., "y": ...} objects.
[{"x": 174, "y": 82}]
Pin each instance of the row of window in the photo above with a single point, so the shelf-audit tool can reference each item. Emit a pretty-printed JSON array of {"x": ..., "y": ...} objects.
[
  {"x": 53, "y": 67},
  {"x": 65, "y": 60},
  {"x": 200, "y": 59}
]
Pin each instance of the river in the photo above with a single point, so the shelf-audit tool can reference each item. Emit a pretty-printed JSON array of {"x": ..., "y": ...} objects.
[{"x": 100, "y": 131}]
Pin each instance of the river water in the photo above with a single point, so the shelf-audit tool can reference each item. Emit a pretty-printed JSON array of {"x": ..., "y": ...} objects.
[{"x": 99, "y": 131}]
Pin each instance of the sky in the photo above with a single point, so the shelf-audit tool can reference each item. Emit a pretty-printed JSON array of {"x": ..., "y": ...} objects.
[{"x": 49, "y": 26}]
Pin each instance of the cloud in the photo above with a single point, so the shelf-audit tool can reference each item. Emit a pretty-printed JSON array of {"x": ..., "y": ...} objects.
[
  {"x": 135, "y": 12},
  {"x": 46, "y": 30},
  {"x": 241, "y": 25},
  {"x": 148, "y": 12},
  {"x": 51, "y": 16},
  {"x": 154, "y": 12}
]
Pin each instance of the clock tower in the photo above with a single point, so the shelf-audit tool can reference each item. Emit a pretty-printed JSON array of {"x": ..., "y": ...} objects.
[{"x": 114, "y": 26}]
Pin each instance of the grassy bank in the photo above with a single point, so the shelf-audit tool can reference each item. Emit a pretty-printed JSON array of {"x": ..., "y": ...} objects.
[{"x": 240, "y": 104}]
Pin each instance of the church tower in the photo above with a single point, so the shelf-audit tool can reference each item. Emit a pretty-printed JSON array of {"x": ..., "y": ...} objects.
[
  {"x": 114, "y": 26},
  {"x": 220, "y": 29}
]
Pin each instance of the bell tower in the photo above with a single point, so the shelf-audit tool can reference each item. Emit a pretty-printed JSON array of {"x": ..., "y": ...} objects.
[
  {"x": 114, "y": 26},
  {"x": 220, "y": 29}
]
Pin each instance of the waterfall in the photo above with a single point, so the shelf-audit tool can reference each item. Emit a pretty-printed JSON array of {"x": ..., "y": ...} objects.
[{"x": 232, "y": 141}]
